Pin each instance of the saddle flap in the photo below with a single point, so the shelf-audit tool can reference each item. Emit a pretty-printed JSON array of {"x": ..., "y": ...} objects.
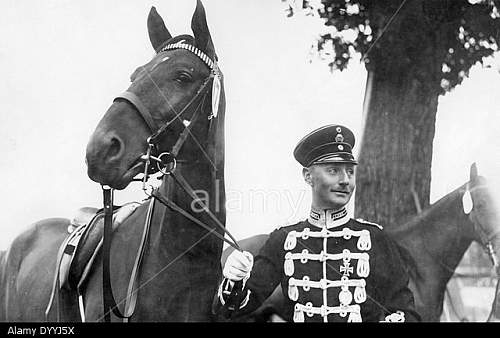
[
  {"x": 83, "y": 216},
  {"x": 85, "y": 225},
  {"x": 83, "y": 241}
]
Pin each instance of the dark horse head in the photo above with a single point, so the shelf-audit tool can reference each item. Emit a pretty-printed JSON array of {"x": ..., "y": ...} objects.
[
  {"x": 172, "y": 114},
  {"x": 164, "y": 96},
  {"x": 162, "y": 264}
]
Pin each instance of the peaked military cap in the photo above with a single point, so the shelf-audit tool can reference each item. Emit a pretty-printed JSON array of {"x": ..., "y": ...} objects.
[{"x": 329, "y": 144}]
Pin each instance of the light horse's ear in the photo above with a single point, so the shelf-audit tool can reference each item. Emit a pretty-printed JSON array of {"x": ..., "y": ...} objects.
[
  {"x": 158, "y": 32},
  {"x": 473, "y": 172},
  {"x": 202, "y": 37}
]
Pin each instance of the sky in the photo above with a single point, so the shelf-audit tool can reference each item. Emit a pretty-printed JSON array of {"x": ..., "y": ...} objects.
[{"x": 62, "y": 63}]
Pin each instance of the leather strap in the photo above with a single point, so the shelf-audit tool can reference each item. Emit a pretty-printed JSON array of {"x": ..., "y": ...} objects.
[
  {"x": 133, "y": 288},
  {"x": 201, "y": 91},
  {"x": 187, "y": 130},
  {"x": 55, "y": 285},
  {"x": 109, "y": 301},
  {"x": 189, "y": 190},
  {"x": 141, "y": 108},
  {"x": 172, "y": 205}
]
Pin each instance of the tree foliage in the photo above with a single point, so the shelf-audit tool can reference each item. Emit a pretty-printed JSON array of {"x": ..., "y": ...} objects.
[
  {"x": 466, "y": 32},
  {"x": 414, "y": 50}
]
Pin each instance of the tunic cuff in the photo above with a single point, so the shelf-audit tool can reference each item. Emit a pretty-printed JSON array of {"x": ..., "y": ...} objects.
[
  {"x": 396, "y": 317},
  {"x": 225, "y": 290}
]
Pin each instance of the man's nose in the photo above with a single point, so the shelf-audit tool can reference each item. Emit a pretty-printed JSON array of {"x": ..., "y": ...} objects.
[{"x": 343, "y": 177}]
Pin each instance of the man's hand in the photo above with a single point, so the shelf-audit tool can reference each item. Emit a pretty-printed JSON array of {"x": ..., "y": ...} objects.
[{"x": 238, "y": 266}]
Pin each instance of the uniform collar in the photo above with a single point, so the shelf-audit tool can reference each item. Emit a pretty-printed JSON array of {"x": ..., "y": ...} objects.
[{"x": 328, "y": 218}]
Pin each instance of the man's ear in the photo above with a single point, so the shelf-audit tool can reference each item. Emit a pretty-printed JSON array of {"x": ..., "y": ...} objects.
[{"x": 306, "y": 172}]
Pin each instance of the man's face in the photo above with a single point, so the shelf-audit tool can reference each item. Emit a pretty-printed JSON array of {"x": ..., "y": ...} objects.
[{"x": 332, "y": 184}]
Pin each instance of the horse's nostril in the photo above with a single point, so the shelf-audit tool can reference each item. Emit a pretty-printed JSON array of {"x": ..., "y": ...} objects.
[{"x": 115, "y": 148}]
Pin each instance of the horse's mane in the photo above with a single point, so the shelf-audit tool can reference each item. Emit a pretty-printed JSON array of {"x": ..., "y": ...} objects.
[
  {"x": 433, "y": 211},
  {"x": 410, "y": 263}
]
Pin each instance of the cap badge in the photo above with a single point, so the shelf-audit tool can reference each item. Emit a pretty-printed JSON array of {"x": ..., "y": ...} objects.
[
  {"x": 341, "y": 147},
  {"x": 339, "y": 130},
  {"x": 339, "y": 138}
]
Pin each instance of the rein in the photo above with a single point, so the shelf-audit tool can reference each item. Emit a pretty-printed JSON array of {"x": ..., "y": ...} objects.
[{"x": 109, "y": 301}]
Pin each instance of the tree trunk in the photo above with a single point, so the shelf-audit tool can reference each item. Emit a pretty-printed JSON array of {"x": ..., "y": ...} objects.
[{"x": 394, "y": 174}]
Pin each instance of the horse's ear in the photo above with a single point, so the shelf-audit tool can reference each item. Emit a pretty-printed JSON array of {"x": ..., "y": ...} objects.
[
  {"x": 473, "y": 172},
  {"x": 202, "y": 37},
  {"x": 158, "y": 32}
]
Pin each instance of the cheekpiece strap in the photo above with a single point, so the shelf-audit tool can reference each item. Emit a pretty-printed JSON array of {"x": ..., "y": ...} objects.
[{"x": 216, "y": 85}]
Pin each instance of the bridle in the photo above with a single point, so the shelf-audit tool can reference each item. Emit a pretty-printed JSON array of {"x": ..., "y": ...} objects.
[
  {"x": 166, "y": 164},
  {"x": 486, "y": 239}
]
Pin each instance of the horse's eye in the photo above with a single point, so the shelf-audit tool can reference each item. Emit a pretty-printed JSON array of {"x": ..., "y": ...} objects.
[{"x": 183, "y": 77}]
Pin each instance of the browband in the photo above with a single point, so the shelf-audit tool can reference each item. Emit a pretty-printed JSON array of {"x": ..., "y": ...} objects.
[
  {"x": 204, "y": 57},
  {"x": 216, "y": 86}
]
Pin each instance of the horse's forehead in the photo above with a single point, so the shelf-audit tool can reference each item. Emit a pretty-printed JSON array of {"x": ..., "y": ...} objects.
[
  {"x": 485, "y": 206},
  {"x": 177, "y": 57},
  {"x": 482, "y": 194}
]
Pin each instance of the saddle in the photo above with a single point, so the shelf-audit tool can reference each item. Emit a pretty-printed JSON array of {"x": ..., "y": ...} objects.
[{"x": 78, "y": 251}]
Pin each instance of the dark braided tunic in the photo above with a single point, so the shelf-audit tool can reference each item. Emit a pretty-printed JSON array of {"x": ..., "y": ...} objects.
[{"x": 331, "y": 269}]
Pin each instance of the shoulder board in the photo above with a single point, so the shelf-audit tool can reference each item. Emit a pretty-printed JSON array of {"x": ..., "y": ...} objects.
[
  {"x": 282, "y": 226},
  {"x": 287, "y": 225},
  {"x": 360, "y": 220}
]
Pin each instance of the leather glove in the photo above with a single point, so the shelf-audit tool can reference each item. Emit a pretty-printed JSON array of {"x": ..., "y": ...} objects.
[{"x": 238, "y": 266}]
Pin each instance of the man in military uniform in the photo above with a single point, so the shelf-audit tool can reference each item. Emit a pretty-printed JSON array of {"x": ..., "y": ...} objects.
[{"x": 331, "y": 268}]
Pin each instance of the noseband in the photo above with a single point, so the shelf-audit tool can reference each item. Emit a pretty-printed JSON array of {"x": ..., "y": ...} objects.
[{"x": 166, "y": 163}]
